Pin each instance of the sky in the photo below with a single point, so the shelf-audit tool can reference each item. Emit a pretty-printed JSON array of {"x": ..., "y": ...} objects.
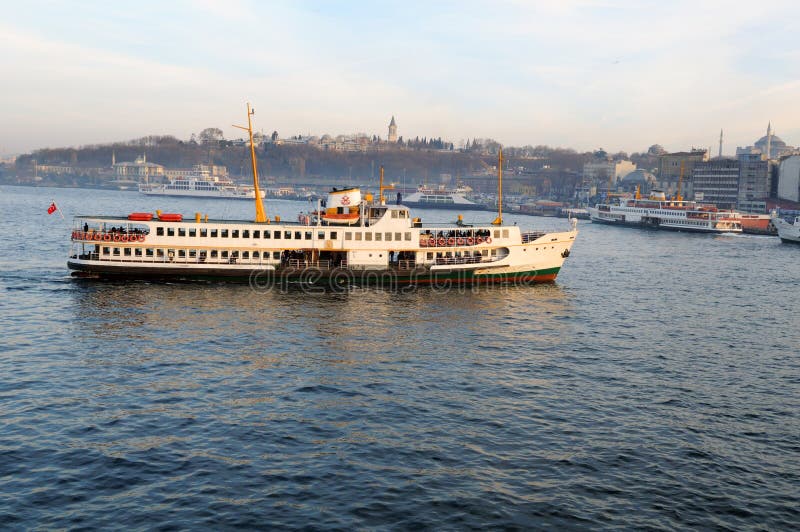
[{"x": 584, "y": 74}]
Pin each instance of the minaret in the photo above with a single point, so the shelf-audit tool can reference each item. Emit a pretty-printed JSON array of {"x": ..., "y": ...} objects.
[
  {"x": 720, "y": 144},
  {"x": 392, "y": 130},
  {"x": 769, "y": 141},
  {"x": 113, "y": 158}
]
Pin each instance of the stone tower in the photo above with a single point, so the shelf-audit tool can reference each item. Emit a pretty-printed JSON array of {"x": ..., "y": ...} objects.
[
  {"x": 392, "y": 131},
  {"x": 769, "y": 141}
]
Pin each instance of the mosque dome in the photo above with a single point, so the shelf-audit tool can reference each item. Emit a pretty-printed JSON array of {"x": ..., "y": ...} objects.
[
  {"x": 639, "y": 177},
  {"x": 776, "y": 142}
]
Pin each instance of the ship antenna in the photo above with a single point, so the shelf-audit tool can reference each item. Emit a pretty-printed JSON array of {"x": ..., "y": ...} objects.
[
  {"x": 499, "y": 219},
  {"x": 260, "y": 214}
]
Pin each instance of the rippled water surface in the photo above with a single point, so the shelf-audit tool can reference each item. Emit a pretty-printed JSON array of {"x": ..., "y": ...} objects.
[{"x": 656, "y": 384}]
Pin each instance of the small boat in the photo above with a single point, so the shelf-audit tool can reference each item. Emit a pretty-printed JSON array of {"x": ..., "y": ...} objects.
[
  {"x": 140, "y": 216},
  {"x": 789, "y": 232},
  {"x": 758, "y": 224}
]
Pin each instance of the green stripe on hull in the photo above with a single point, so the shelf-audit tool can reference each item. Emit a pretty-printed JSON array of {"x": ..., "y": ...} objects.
[{"x": 341, "y": 277}]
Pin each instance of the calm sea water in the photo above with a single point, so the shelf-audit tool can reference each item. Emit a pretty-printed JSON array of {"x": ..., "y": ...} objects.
[{"x": 656, "y": 384}]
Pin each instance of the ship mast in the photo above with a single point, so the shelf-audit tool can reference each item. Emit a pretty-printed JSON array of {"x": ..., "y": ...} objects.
[
  {"x": 499, "y": 219},
  {"x": 680, "y": 181},
  {"x": 260, "y": 214},
  {"x": 381, "y": 188}
]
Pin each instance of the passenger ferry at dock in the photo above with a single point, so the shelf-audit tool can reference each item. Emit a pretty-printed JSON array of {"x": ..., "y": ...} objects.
[
  {"x": 355, "y": 240},
  {"x": 658, "y": 212},
  {"x": 200, "y": 184}
]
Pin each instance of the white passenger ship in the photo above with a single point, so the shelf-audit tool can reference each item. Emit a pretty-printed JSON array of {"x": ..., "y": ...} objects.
[
  {"x": 658, "y": 212},
  {"x": 200, "y": 184},
  {"x": 441, "y": 198},
  {"x": 355, "y": 240}
]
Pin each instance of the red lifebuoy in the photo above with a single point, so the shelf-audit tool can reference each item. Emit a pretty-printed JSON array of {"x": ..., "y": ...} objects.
[
  {"x": 488, "y": 240},
  {"x": 141, "y": 238},
  {"x": 470, "y": 241},
  {"x": 442, "y": 241},
  {"x": 115, "y": 238},
  {"x": 98, "y": 236},
  {"x": 451, "y": 241},
  {"x": 423, "y": 242},
  {"x": 106, "y": 238},
  {"x": 431, "y": 242},
  {"x": 123, "y": 238},
  {"x": 480, "y": 240},
  {"x": 460, "y": 241}
]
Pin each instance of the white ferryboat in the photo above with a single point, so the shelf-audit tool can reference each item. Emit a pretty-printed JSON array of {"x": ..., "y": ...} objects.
[
  {"x": 440, "y": 198},
  {"x": 658, "y": 212},
  {"x": 788, "y": 232},
  {"x": 355, "y": 240},
  {"x": 200, "y": 185}
]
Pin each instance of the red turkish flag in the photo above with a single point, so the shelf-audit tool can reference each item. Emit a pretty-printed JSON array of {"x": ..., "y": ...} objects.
[{"x": 52, "y": 208}]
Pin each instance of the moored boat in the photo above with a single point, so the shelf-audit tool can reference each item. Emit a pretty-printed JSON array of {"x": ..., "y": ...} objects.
[
  {"x": 355, "y": 240},
  {"x": 658, "y": 212},
  {"x": 758, "y": 224},
  {"x": 441, "y": 198}
]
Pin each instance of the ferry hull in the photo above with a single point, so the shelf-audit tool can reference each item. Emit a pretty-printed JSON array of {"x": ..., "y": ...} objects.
[
  {"x": 266, "y": 278},
  {"x": 445, "y": 206},
  {"x": 662, "y": 227}
]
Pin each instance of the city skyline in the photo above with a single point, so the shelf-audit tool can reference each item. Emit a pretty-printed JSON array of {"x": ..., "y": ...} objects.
[{"x": 575, "y": 74}]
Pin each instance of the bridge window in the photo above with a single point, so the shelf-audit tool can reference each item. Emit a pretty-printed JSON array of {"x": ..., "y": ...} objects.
[
  {"x": 203, "y": 233},
  {"x": 170, "y": 231},
  {"x": 181, "y": 231},
  {"x": 192, "y": 232},
  {"x": 257, "y": 234},
  {"x": 287, "y": 235},
  {"x": 235, "y": 233},
  {"x": 245, "y": 234},
  {"x": 159, "y": 231},
  {"x": 214, "y": 233},
  {"x": 333, "y": 235},
  {"x": 223, "y": 233}
]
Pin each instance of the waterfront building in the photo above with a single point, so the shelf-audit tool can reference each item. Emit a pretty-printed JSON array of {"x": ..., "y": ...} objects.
[
  {"x": 139, "y": 169},
  {"x": 602, "y": 171},
  {"x": 754, "y": 183},
  {"x": 669, "y": 170},
  {"x": 392, "y": 131},
  {"x": 789, "y": 178},
  {"x": 639, "y": 179},
  {"x": 717, "y": 181}
]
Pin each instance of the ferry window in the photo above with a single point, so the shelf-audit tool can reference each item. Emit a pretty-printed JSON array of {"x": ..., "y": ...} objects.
[
  {"x": 148, "y": 252},
  {"x": 245, "y": 254},
  {"x": 256, "y": 234},
  {"x": 213, "y": 253},
  {"x": 497, "y": 233},
  {"x": 287, "y": 235},
  {"x": 297, "y": 235},
  {"x": 255, "y": 254},
  {"x": 267, "y": 234},
  {"x": 348, "y": 235},
  {"x": 224, "y": 254},
  {"x": 429, "y": 256},
  {"x": 159, "y": 231},
  {"x": 170, "y": 231},
  {"x": 368, "y": 237},
  {"x": 408, "y": 237},
  {"x": 106, "y": 251},
  {"x": 399, "y": 236},
  {"x": 182, "y": 253},
  {"x": 505, "y": 233},
  {"x": 321, "y": 235},
  {"x": 485, "y": 252},
  {"x": 116, "y": 251},
  {"x": 214, "y": 233},
  {"x": 137, "y": 252},
  {"x": 276, "y": 234},
  {"x": 235, "y": 233},
  {"x": 192, "y": 233},
  {"x": 309, "y": 234},
  {"x": 223, "y": 233},
  {"x": 160, "y": 252},
  {"x": 276, "y": 255},
  {"x": 394, "y": 214},
  {"x": 203, "y": 233},
  {"x": 494, "y": 253},
  {"x": 192, "y": 253},
  {"x": 181, "y": 231},
  {"x": 389, "y": 235},
  {"x": 378, "y": 237},
  {"x": 333, "y": 235},
  {"x": 358, "y": 236},
  {"x": 127, "y": 252},
  {"x": 245, "y": 233},
  {"x": 235, "y": 254}
]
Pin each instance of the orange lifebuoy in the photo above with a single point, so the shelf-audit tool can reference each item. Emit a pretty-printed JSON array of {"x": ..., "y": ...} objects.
[
  {"x": 480, "y": 240},
  {"x": 98, "y": 236},
  {"x": 423, "y": 242},
  {"x": 123, "y": 238},
  {"x": 488, "y": 240},
  {"x": 470, "y": 241},
  {"x": 442, "y": 242},
  {"x": 460, "y": 241},
  {"x": 141, "y": 238},
  {"x": 451, "y": 241},
  {"x": 115, "y": 238}
]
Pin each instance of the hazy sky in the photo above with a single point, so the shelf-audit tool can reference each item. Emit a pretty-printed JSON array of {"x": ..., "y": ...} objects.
[{"x": 575, "y": 73}]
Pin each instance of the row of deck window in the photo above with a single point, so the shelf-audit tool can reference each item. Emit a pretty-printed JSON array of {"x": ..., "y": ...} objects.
[{"x": 368, "y": 236}]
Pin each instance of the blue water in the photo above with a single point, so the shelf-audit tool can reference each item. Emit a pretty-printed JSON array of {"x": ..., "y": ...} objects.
[{"x": 656, "y": 384}]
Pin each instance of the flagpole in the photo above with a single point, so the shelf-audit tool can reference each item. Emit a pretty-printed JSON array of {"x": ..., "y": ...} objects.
[{"x": 61, "y": 214}]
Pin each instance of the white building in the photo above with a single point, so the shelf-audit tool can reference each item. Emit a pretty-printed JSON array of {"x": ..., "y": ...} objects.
[
  {"x": 789, "y": 179},
  {"x": 604, "y": 170}
]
